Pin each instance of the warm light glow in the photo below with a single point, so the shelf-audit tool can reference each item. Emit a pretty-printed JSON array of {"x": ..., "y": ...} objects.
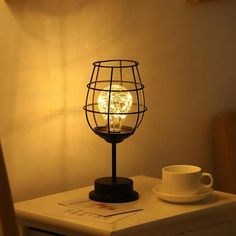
[{"x": 120, "y": 102}]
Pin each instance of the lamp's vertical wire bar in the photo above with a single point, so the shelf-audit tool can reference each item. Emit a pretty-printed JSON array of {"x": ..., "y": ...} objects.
[
  {"x": 109, "y": 102},
  {"x": 114, "y": 162},
  {"x": 95, "y": 85},
  {"x": 121, "y": 75},
  {"x": 136, "y": 90},
  {"x": 87, "y": 96},
  {"x": 144, "y": 102}
]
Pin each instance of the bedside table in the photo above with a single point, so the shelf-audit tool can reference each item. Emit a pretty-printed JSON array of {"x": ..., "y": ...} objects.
[{"x": 214, "y": 216}]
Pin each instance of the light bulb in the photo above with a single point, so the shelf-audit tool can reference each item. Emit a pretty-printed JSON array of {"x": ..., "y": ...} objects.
[{"x": 120, "y": 102}]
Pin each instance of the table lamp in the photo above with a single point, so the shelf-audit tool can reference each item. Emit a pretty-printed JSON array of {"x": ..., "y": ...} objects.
[{"x": 114, "y": 108}]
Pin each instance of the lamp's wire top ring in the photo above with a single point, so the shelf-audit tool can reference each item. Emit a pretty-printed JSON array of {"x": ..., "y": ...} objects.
[{"x": 116, "y": 63}]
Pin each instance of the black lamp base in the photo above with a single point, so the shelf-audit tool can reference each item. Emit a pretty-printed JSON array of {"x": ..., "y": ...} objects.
[{"x": 107, "y": 190}]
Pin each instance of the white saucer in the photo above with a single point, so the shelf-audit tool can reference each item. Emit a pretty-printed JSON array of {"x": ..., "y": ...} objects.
[{"x": 203, "y": 194}]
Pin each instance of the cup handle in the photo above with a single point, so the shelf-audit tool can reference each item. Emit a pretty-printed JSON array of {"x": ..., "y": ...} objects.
[{"x": 211, "y": 179}]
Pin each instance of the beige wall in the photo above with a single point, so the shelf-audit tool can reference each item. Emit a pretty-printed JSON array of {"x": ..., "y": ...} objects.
[{"x": 187, "y": 61}]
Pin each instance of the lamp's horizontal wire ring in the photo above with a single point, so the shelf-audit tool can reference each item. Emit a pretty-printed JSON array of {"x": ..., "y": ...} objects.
[
  {"x": 101, "y": 63},
  {"x": 113, "y": 113},
  {"x": 140, "y": 87}
]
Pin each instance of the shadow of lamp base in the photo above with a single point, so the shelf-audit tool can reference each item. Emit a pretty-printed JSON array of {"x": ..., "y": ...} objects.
[{"x": 106, "y": 190}]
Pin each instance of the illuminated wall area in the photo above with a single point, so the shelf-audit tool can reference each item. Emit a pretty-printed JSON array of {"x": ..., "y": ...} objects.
[{"x": 187, "y": 63}]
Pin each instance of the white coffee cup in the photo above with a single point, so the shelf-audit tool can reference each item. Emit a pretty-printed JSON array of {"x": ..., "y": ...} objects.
[{"x": 184, "y": 179}]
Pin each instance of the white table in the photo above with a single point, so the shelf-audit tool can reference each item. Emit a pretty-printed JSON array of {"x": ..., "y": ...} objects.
[{"x": 213, "y": 216}]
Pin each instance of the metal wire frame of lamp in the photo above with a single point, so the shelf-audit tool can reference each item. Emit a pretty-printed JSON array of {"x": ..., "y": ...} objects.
[{"x": 115, "y": 106}]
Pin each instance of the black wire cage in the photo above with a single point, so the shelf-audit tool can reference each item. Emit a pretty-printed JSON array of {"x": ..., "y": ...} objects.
[{"x": 115, "y": 106}]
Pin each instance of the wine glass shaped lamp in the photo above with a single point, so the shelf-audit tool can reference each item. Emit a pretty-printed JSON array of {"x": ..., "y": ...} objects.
[{"x": 115, "y": 106}]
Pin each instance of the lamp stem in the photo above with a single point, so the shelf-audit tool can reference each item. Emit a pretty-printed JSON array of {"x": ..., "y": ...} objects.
[{"x": 114, "y": 162}]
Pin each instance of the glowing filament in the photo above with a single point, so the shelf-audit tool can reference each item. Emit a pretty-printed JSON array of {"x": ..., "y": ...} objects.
[{"x": 120, "y": 103}]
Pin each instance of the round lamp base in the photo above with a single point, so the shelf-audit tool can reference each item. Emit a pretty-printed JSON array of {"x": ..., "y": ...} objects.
[{"x": 117, "y": 191}]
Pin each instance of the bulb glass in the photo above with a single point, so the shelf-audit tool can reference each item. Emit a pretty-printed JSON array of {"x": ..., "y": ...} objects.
[{"x": 120, "y": 103}]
